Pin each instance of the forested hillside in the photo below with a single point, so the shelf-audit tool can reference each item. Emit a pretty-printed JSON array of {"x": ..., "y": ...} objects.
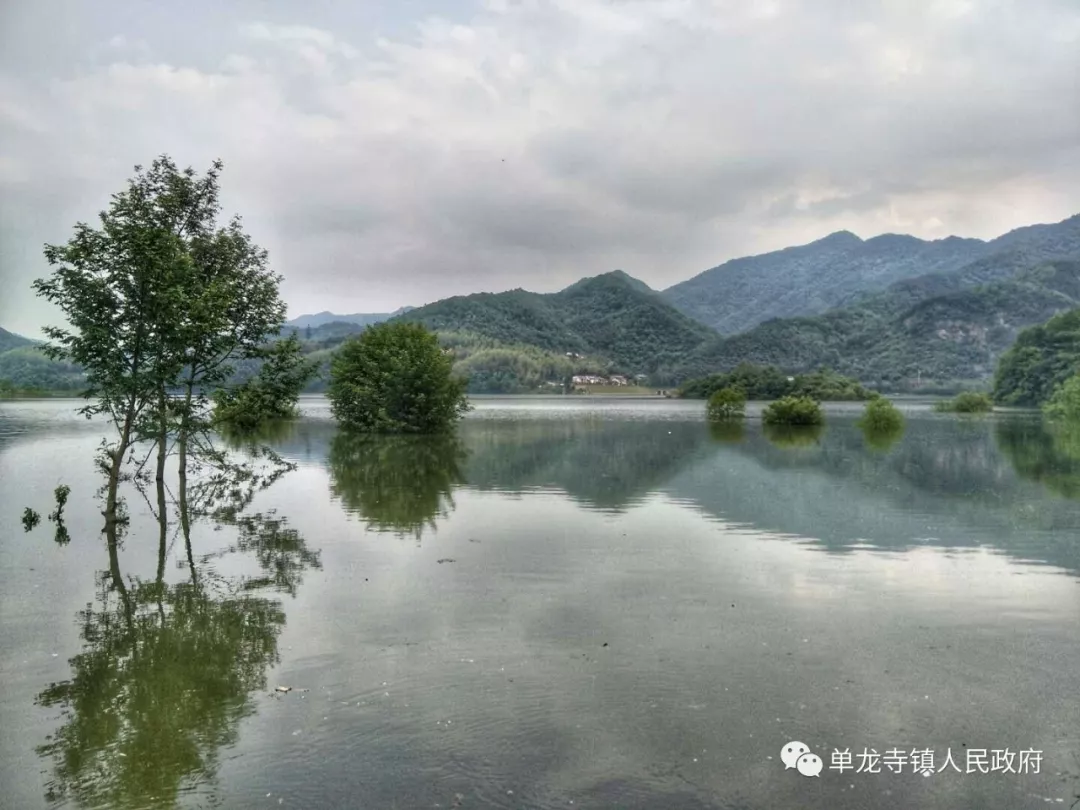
[
  {"x": 953, "y": 337},
  {"x": 1042, "y": 357},
  {"x": 9, "y": 340},
  {"x": 887, "y": 274},
  {"x": 611, "y": 316}
]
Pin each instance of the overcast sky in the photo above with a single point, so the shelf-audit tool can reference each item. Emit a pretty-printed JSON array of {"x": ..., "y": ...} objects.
[{"x": 391, "y": 153}]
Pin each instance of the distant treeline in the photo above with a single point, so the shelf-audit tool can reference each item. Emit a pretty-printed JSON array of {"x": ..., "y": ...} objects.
[{"x": 769, "y": 382}]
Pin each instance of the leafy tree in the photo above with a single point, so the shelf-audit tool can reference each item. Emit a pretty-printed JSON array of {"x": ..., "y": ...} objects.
[
  {"x": 395, "y": 378},
  {"x": 1064, "y": 405},
  {"x": 120, "y": 288},
  {"x": 1042, "y": 358},
  {"x": 159, "y": 298},
  {"x": 274, "y": 391},
  {"x": 793, "y": 411},
  {"x": 725, "y": 404}
]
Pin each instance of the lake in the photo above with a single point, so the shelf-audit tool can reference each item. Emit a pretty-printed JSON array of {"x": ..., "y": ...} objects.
[{"x": 579, "y": 602}]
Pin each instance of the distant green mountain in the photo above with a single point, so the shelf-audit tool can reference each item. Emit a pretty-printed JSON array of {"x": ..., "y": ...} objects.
[
  {"x": 9, "y": 340},
  {"x": 954, "y": 336},
  {"x": 611, "y": 316},
  {"x": 320, "y": 319},
  {"x": 26, "y": 367},
  {"x": 892, "y": 271}
]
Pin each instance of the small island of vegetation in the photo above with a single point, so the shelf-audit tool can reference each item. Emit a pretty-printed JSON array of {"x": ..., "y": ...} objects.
[
  {"x": 793, "y": 411},
  {"x": 726, "y": 404},
  {"x": 967, "y": 402},
  {"x": 769, "y": 382},
  {"x": 395, "y": 378}
]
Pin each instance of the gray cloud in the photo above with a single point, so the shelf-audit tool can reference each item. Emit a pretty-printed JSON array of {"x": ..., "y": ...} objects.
[{"x": 388, "y": 156}]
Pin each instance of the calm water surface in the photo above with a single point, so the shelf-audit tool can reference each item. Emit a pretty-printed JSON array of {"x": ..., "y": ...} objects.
[{"x": 585, "y": 603}]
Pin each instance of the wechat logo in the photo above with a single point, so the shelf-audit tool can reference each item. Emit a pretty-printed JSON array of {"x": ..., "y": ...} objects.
[{"x": 799, "y": 756}]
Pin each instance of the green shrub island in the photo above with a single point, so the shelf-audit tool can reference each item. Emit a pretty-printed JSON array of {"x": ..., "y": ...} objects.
[
  {"x": 726, "y": 404},
  {"x": 769, "y": 382},
  {"x": 967, "y": 402},
  {"x": 793, "y": 411},
  {"x": 882, "y": 424},
  {"x": 881, "y": 415},
  {"x": 395, "y": 378}
]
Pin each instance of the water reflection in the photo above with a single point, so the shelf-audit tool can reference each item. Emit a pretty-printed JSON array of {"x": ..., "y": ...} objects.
[
  {"x": 398, "y": 484},
  {"x": 168, "y": 669},
  {"x": 793, "y": 435},
  {"x": 1049, "y": 454},
  {"x": 944, "y": 482},
  {"x": 728, "y": 431},
  {"x": 882, "y": 438}
]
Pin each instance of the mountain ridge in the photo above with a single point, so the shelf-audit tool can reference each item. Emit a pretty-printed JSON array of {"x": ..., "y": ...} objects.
[{"x": 841, "y": 269}]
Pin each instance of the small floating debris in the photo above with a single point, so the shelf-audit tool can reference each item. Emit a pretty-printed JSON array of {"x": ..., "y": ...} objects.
[
  {"x": 283, "y": 689},
  {"x": 446, "y": 560}
]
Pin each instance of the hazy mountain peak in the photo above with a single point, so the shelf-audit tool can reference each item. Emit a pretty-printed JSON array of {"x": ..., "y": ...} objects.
[{"x": 839, "y": 238}]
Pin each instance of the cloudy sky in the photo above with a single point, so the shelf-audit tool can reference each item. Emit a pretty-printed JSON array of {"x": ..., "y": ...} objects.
[{"x": 391, "y": 153}]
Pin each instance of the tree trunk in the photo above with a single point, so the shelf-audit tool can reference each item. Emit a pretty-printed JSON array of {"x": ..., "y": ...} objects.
[
  {"x": 116, "y": 458},
  {"x": 185, "y": 527},
  {"x": 163, "y": 437}
]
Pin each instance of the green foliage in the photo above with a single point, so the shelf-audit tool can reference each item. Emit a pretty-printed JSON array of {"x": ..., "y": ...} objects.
[
  {"x": 158, "y": 298},
  {"x": 967, "y": 402},
  {"x": 61, "y": 494},
  {"x": 30, "y": 519},
  {"x": 793, "y": 435},
  {"x": 881, "y": 415},
  {"x": 274, "y": 391},
  {"x": 400, "y": 484},
  {"x": 1064, "y": 405},
  {"x": 612, "y": 316},
  {"x": 1042, "y": 358},
  {"x": 769, "y": 382},
  {"x": 395, "y": 378},
  {"x": 882, "y": 424},
  {"x": 726, "y": 403},
  {"x": 793, "y": 411}
]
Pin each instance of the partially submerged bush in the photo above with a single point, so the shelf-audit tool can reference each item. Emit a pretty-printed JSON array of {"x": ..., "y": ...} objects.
[
  {"x": 881, "y": 415},
  {"x": 793, "y": 411},
  {"x": 967, "y": 402},
  {"x": 725, "y": 404},
  {"x": 395, "y": 378}
]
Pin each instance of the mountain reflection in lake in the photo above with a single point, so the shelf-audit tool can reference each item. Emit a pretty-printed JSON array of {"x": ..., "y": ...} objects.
[{"x": 610, "y": 604}]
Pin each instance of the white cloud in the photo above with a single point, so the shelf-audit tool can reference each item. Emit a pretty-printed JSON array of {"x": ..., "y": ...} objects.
[{"x": 541, "y": 141}]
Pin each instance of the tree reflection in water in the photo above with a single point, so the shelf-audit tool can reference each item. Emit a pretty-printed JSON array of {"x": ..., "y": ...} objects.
[
  {"x": 882, "y": 438},
  {"x": 168, "y": 669},
  {"x": 1045, "y": 452},
  {"x": 793, "y": 435},
  {"x": 399, "y": 483}
]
